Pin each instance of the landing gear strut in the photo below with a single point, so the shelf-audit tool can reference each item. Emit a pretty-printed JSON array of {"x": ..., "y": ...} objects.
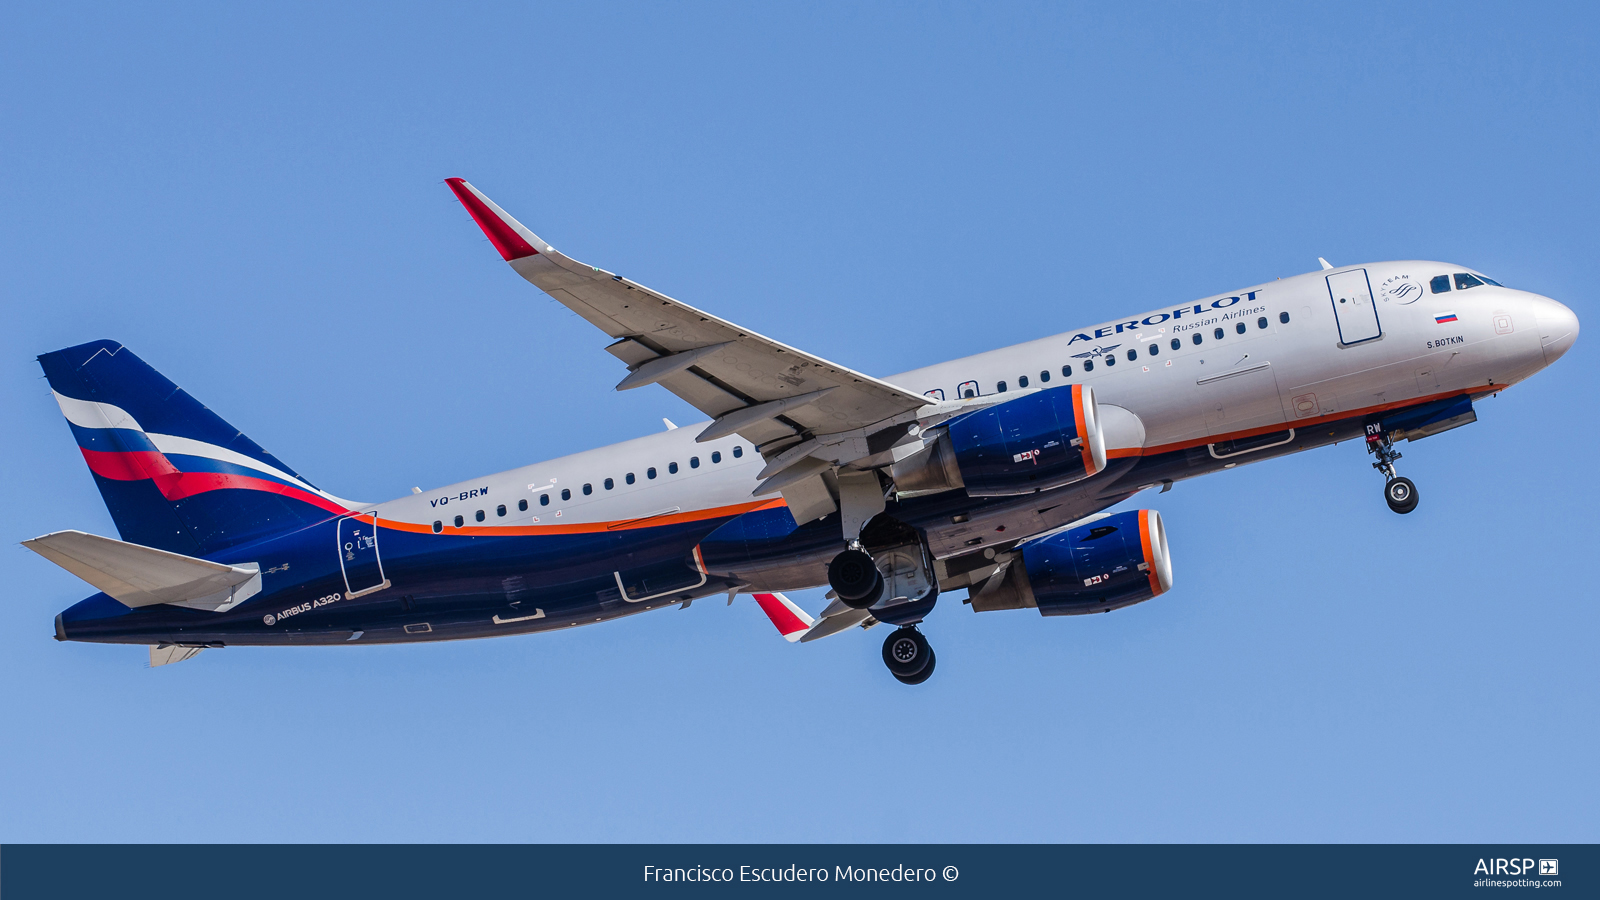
[
  {"x": 1399, "y": 493},
  {"x": 855, "y": 579},
  {"x": 908, "y": 656}
]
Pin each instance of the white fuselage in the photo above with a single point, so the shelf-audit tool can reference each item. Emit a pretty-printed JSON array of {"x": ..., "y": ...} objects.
[{"x": 1279, "y": 360}]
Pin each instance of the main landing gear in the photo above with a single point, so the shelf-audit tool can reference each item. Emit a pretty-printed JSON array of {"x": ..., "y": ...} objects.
[
  {"x": 1399, "y": 493},
  {"x": 908, "y": 656},
  {"x": 855, "y": 579},
  {"x": 859, "y": 583}
]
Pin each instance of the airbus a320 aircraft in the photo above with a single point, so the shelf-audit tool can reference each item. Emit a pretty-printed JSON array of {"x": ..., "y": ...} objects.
[{"x": 988, "y": 475}]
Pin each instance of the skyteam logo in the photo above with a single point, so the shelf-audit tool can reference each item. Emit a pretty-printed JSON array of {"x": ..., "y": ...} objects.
[{"x": 1401, "y": 289}]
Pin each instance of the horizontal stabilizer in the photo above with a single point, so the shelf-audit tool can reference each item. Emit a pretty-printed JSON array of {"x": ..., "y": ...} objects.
[
  {"x": 137, "y": 575},
  {"x": 164, "y": 654}
]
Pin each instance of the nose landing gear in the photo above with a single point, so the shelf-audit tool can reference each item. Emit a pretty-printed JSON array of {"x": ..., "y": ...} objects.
[
  {"x": 908, "y": 656},
  {"x": 1399, "y": 493}
]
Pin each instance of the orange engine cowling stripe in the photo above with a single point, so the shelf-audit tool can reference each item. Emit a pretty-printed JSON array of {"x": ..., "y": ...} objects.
[
  {"x": 1148, "y": 546},
  {"x": 1083, "y": 429}
]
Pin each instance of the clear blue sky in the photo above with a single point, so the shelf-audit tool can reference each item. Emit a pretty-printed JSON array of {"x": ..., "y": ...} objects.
[{"x": 252, "y": 200}]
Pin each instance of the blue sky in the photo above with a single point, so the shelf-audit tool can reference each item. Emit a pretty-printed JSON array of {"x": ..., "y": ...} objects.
[{"x": 252, "y": 200}]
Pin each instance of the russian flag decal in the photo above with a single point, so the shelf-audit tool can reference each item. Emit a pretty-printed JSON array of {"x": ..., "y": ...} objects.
[{"x": 1444, "y": 317}]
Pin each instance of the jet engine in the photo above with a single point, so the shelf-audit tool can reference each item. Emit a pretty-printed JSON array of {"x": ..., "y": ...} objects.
[
  {"x": 1106, "y": 564},
  {"x": 1034, "y": 443}
]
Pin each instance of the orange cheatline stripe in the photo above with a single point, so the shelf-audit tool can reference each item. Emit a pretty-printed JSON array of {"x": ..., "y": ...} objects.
[
  {"x": 1148, "y": 546},
  {"x": 696, "y": 515}
]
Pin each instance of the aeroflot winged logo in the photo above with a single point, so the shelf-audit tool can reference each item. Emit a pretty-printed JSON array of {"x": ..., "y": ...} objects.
[
  {"x": 1097, "y": 352},
  {"x": 1198, "y": 309}
]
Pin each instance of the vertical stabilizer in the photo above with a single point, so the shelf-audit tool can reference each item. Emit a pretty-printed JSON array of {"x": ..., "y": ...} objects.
[{"x": 174, "y": 475}]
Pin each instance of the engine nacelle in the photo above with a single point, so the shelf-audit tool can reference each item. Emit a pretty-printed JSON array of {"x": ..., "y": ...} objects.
[
  {"x": 1107, "y": 564},
  {"x": 1033, "y": 443}
]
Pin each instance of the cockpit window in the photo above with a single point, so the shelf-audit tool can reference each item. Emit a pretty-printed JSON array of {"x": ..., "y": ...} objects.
[
  {"x": 1464, "y": 281},
  {"x": 1440, "y": 285},
  {"x": 1488, "y": 280}
]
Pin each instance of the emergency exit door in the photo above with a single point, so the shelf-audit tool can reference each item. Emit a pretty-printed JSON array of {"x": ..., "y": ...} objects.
[
  {"x": 1353, "y": 307},
  {"x": 358, "y": 555}
]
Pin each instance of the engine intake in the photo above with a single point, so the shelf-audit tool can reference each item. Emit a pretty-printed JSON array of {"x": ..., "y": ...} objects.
[
  {"x": 1107, "y": 564},
  {"x": 1033, "y": 443}
]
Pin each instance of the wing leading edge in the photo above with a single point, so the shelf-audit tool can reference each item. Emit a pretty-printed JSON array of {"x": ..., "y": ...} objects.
[{"x": 795, "y": 407}]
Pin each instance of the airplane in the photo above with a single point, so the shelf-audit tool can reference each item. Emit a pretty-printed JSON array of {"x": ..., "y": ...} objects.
[{"x": 990, "y": 475}]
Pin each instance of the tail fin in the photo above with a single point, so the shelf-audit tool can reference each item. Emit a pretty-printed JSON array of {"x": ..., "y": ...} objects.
[{"x": 174, "y": 475}]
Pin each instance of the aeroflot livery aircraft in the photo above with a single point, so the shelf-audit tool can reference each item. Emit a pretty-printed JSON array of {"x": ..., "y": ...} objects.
[{"x": 986, "y": 474}]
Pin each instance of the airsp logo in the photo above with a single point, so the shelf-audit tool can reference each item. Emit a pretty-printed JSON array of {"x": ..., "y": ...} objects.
[
  {"x": 1401, "y": 289},
  {"x": 270, "y": 619}
]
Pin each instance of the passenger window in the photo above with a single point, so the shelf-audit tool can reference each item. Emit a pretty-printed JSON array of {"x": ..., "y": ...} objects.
[
  {"x": 1464, "y": 281},
  {"x": 1197, "y": 338},
  {"x": 738, "y": 451},
  {"x": 672, "y": 468},
  {"x": 479, "y": 516},
  {"x": 500, "y": 510},
  {"x": 1177, "y": 344},
  {"x": 1000, "y": 386},
  {"x": 522, "y": 506},
  {"x": 1022, "y": 381},
  {"x": 610, "y": 484},
  {"x": 650, "y": 472},
  {"x": 566, "y": 493},
  {"x": 1440, "y": 284},
  {"x": 1154, "y": 348},
  {"x": 1239, "y": 327},
  {"x": 544, "y": 499},
  {"x": 1111, "y": 359},
  {"x": 587, "y": 489},
  {"x": 694, "y": 462},
  {"x": 1066, "y": 371},
  {"x": 460, "y": 521},
  {"x": 1044, "y": 376},
  {"x": 1217, "y": 333},
  {"x": 1133, "y": 354},
  {"x": 1261, "y": 322},
  {"x": 1283, "y": 317},
  {"x": 628, "y": 478},
  {"x": 716, "y": 456},
  {"x": 438, "y": 526}
]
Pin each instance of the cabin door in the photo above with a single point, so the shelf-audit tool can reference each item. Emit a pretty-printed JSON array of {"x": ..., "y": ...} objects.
[
  {"x": 358, "y": 555},
  {"x": 1353, "y": 308}
]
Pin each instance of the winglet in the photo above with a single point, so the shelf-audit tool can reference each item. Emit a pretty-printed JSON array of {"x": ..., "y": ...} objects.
[
  {"x": 507, "y": 234},
  {"x": 791, "y": 620}
]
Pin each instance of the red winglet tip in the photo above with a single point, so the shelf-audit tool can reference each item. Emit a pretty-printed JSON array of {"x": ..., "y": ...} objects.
[{"x": 500, "y": 233}]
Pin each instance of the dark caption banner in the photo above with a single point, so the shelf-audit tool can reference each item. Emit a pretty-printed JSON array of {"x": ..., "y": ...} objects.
[{"x": 943, "y": 871}]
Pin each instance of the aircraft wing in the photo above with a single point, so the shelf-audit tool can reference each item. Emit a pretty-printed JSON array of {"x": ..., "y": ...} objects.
[{"x": 769, "y": 393}]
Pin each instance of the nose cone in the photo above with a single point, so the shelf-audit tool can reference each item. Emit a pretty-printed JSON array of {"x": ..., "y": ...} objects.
[{"x": 1558, "y": 328}]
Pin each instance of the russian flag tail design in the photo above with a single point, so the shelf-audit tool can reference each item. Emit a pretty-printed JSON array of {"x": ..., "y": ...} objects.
[
  {"x": 791, "y": 620},
  {"x": 174, "y": 475}
]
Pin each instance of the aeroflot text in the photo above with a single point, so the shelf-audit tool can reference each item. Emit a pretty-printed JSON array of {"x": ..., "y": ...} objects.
[{"x": 792, "y": 873}]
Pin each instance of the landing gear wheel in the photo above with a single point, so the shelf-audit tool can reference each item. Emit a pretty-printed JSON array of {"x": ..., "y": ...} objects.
[
  {"x": 906, "y": 653},
  {"x": 920, "y": 677},
  {"x": 1401, "y": 495},
  {"x": 855, "y": 579}
]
